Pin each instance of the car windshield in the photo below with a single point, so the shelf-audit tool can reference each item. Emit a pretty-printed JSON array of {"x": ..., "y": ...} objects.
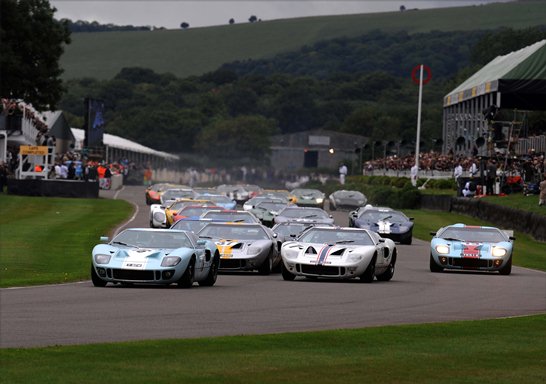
[
  {"x": 171, "y": 194},
  {"x": 235, "y": 232},
  {"x": 271, "y": 206},
  {"x": 348, "y": 195},
  {"x": 304, "y": 213},
  {"x": 152, "y": 239},
  {"x": 242, "y": 217},
  {"x": 392, "y": 216},
  {"x": 333, "y": 236},
  {"x": 193, "y": 211},
  {"x": 473, "y": 234},
  {"x": 307, "y": 192},
  {"x": 190, "y": 225}
]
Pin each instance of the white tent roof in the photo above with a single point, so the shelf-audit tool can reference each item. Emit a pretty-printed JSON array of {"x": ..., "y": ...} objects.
[{"x": 121, "y": 143}]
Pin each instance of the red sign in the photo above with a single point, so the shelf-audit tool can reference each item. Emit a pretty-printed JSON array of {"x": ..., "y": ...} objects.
[{"x": 415, "y": 74}]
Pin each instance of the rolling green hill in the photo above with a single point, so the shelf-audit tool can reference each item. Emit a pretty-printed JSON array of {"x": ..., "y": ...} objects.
[{"x": 196, "y": 51}]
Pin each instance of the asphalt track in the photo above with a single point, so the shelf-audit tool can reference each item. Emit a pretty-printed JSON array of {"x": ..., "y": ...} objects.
[{"x": 246, "y": 303}]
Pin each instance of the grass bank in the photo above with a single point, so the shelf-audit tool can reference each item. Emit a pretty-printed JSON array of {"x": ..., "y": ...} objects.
[
  {"x": 49, "y": 240},
  {"x": 489, "y": 351}
]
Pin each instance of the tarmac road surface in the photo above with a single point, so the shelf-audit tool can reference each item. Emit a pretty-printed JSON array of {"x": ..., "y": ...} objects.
[{"x": 246, "y": 303}]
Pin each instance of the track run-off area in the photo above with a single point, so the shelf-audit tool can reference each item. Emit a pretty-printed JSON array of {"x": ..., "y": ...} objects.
[{"x": 247, "y": 303}]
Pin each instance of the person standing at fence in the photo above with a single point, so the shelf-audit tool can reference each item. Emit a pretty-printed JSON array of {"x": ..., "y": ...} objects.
[
  {"x": 342, "y": 173},
  {"x": 491, "y": 177},
  {"x": 473, "y": 169},
  {"x": 413, "y": 174},
  {"x": 542, "y": 196}
]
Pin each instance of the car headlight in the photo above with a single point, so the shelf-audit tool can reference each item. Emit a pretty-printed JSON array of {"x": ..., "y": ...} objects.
[
  {"x": 102, "y": 259},
  {"x": 291, "y": 253},
  {"x": 170, "y": 261},
  {"x": 252, "y": 251},
  {"x": 355, "y": 257},
  {"x": 499, "y": 252},
  {"x": 320, "y": 200},
  {"x": 442, "y": 249}
]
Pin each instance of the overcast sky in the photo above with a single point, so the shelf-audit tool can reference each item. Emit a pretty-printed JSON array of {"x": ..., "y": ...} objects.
[{"x": 170, "y": 14}]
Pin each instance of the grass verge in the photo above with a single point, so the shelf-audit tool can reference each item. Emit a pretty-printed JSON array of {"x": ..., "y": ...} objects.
[
  {"x": 49, "y": 240},
  {"x": 497, "y": 351}
]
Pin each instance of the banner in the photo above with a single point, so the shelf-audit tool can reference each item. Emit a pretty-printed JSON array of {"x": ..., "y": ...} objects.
[{"x": 94, "y": 122}]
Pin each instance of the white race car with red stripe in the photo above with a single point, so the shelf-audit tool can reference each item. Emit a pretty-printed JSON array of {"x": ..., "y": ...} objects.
[{"x": 340, "y": 253}]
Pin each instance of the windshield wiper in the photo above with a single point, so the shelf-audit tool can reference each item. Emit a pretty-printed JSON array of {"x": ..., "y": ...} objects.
[
  {"x": 452, "y": 239},
  {"x": 127, "y": 245},
  {"x": 344, "y": 241},
  {"x": 309, "y": 216}
]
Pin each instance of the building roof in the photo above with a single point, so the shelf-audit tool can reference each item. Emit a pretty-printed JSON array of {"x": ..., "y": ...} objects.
[
  {"x": 114, "y": 141},
  {"x": 520, "y": 74}
]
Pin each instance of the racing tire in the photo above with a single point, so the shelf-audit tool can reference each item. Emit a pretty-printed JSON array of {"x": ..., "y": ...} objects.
[
  {"x": 433, "y": 266},
  {"x": 266, "y": 267},
  {"x": 286, "y": 274},
  {"x": 368, "y": 275},
  {"x": 389, "y": 272},
  {"x": 186, "y": 281},
  {"x": 213, "y": 273},
  {"x": 97, "y": 281},
  {"x": 507, "y": 269}
]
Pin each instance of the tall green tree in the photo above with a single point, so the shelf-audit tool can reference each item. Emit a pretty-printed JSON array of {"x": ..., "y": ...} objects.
[{"x": 31, "y": 42}]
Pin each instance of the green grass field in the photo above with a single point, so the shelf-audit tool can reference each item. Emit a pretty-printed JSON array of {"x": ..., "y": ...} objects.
[
  {"x": 49, "y": 240},
  {"x": 490, "y": 351},
  {"x": 199, "y": 50}
]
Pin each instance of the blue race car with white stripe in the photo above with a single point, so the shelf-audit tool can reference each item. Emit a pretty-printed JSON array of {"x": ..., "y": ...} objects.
[
  {"x": 468, "y": 247},
  {"x": 155, "y": 256},
  {"x": 339, "y": 253}
]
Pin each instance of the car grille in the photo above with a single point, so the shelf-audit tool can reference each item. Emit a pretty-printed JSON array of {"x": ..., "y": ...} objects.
[
  {"x": 470, "y": 263},
  {"x": 320, "y": 270},
  {"x": 136, "y": 275},
  {"x": 232, "y": 264}
]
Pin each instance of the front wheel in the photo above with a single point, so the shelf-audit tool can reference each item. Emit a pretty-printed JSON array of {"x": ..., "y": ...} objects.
[
  {"x": 369, "y": 273},
  {"x": 389, "y": 272},
  {"x": 213, "y": 273},
  {"x": 186, "y": 281},
  {"x": 97, "y": 281},
  {"x": 433, "y": 266},
  {"x": 266, "y": 267},
  {"x": 286, "y": 274},
  {"x": 507, "y": 269}
]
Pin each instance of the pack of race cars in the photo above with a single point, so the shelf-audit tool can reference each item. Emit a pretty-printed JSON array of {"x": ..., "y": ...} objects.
[{"x": 196, "y": 233}]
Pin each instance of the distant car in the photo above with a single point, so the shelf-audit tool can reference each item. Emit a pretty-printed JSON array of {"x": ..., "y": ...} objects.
[
  {"x": 279, "y": 194},
  {"x": 308, "y": 215},
  {"x": 171, "y": 212},
  {"x": 153, "y": 192},
  {"x": 308, "y": 197},
  {"x": 155, "y": 256},
  {"x": 250, "y": 203},
  {"x": 235, "y": 216},
  {"x": 172, "y": 194},
  {"x": 244, "y": 246},
  {"x": 339, "y": 253},
  {"x": 288, "y": 231},
  {"x": 191, "y": 224},
  {"x": 385, "y": 221},
  {"x": 234, "y": 192},
  {"x": 220, "y": 200},
  {"x": 466, "y": 247},
  {"x": 266, "y": 211},
  {"x": 344, "y": 199},
  {"x": 193, "y": 212}
]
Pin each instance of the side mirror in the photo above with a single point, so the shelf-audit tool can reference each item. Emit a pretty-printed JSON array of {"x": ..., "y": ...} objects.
[
  {"x": 275, "y": 235},
  {"x": 104, "y": 239},
  {"x": 201, "y": 242},
  {"x": 433, "y": 233},
  {"x": 330, "y": 216},
  {"x": 381, "y": 240},
  {"x": 411, "y": 218},
  {"x": 512, "y": 238}
]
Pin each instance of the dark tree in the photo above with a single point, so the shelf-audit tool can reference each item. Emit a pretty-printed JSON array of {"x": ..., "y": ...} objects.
[
  {"x": 31, "y": 42},
  {"x": 232, "y": 21},
  {"x": 402, "y": 8},
  {"x": 184, "y": 25},
  {"x": 253, "y": 19}
]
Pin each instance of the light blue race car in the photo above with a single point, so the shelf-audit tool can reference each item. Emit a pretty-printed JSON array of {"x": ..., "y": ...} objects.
[
  {"x": 467, "y": 247},
  {"x": 155, "y": 256}
]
